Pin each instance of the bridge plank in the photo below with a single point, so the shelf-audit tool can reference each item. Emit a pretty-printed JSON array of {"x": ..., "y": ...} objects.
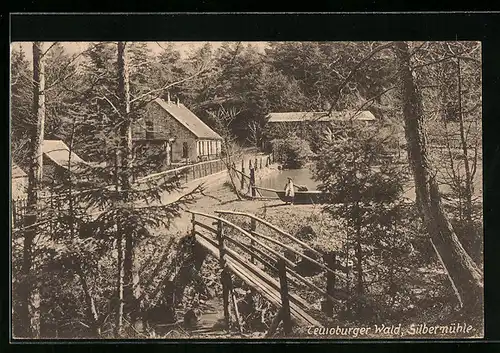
[
  {"x": 257, "y": 271},
  {"x": 266, "y": 289},
  {"x": 295, "y": 310}
]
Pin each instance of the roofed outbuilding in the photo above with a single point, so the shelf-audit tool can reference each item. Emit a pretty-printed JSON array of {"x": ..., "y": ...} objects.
[{"x": 320, "y": 116}]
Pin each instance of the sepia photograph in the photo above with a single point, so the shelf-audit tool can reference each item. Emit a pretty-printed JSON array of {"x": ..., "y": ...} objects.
[{"x": 252, "y": 190}]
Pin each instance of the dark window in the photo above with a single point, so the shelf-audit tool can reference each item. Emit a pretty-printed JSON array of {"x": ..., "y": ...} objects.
[
  {"x": 185, "y": 150},
  {"x": 149, "y": 129}
]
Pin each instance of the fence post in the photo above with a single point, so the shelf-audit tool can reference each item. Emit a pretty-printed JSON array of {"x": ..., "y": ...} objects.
[
  {"x": 260, "y": 163},
  {"x": 211, "y": 172},
  {"x": 14, "y": 215},
  {"x": 327, "y": 304},
  {"x": 225, "y": 276},
  {"x": 192, "y": 222},
  {"x": 253, "y": 228},
  {"x": 285, "y": 303},
  {"x": 242, "y": 183},
  {"x": 252, "y": 181},
  {"x": 255, "y": 165},
  {"x": 267, "y": 161}
]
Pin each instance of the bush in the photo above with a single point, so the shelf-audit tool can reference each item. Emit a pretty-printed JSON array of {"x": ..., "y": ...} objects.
[{"x": 293, "y": 152}]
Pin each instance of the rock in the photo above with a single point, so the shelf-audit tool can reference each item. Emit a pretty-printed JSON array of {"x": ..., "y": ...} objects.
[
  {"x": 290, "y": 255},
  {"x": 191, "y": 318},
  {"x": 160, "y": 314},
  {"x": 307, "y": 268},
  {"x": 306, "y": 233}
]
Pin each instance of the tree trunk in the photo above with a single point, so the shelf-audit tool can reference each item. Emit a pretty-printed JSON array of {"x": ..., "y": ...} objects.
[
  {"x": 470, "y": 231},
  {"x": 71, "y": 207},
  {"x": 359, "y": 252},
  {"x": 29, "y": 301},
  {"x": 465, "y": 276},
  {"x": 126, "y": 173},
  {"x": 228, "y": 161},
  {"x": 119, "y": 285},
  {"x": 92, "y": 315}
]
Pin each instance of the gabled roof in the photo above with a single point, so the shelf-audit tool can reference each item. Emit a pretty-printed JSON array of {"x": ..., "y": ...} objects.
[
  {"x": 58, "y": 152},
  {"x": 189, "y": 120},
  {"x": 17, "y": 172},
  {"x": 320, "y": 116}
]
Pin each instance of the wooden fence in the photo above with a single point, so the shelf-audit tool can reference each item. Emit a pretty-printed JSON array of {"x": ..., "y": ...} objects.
[
  {"x": 187, "y": 173},
  {"x": 199, "y": 170},
  {"x": 49, "y": 204}
]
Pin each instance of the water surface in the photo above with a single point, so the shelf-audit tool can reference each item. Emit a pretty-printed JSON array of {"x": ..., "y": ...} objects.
[{"x": 278, "y": 180}]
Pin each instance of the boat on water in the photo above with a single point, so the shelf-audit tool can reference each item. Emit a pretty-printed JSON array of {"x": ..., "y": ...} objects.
[{"x": 301, "y": 197}]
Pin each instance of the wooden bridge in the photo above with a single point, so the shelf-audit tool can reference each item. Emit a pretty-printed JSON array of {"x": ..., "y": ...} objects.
[{"x": 267, "y": 270}]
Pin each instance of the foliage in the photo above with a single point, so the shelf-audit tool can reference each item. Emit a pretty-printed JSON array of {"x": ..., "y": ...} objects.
[
  {"x": 293, "y": 152},
  {"x": 98, "y": 211},
  {"x": 364, "y": 188}
]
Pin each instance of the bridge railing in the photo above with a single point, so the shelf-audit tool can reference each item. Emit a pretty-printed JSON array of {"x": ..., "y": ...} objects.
[
  {"x": 325, "y": 261},
  {"x": 272, "y": 260}
]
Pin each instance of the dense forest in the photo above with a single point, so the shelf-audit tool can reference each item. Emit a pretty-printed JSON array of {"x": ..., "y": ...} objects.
[{"x": 92, "y": 276}]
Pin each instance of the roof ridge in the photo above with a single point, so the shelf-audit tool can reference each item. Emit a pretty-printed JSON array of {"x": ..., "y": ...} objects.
[{"x": 198, "y": 127}]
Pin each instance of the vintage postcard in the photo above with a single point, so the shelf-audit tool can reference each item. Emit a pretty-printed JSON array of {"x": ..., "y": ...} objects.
[{"x": 257, "y": 190}]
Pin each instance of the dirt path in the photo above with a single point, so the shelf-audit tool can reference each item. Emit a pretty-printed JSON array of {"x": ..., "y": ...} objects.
[{"x": 218, "y": 196}]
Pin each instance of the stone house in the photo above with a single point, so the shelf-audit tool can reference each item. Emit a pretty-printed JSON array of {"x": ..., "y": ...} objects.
[{"x": 174, "y": 128}]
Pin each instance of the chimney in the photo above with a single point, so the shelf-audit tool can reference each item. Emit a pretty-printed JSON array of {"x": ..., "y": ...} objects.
[
  {"x": 168, "y": 97},
  {"x": 178, "y": 104}
]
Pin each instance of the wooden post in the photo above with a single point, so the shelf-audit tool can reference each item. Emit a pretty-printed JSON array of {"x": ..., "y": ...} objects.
[
  {"x": 236, "y": 311},
  {"x": 255, "y": 165},
  {"x": 252, "y": 181},
  {"x": 225, "y": 276},
  {"x": 210, "y": 165},
  {"x": 267, "y": 161},
  {"x": 13, "y": 214},
  {"x": 285, "y": 303},
  {"x": 194, "y": 172},
  {"x": 253, "y": 228},
  {"x": 260, "y": 163},
  {"x": 193, "y": 218},
  {"x": 327, "y": 304},
  {"x": 242, "y": 183}
]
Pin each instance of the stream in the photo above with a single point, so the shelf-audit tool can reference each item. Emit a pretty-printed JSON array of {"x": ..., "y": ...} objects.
[{"x": 278, "y": 180}]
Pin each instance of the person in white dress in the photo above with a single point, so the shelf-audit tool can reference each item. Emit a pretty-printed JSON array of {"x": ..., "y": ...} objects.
[{"x": 289, "y": 190}]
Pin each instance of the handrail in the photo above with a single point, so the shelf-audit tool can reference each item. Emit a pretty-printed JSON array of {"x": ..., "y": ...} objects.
[
  {"x": 175, "y": 170},
  {"x": 327, "y": 269},
  {"x": 244, "y": 232},
  {"x": 251, "y": 252},
  {"x": 273, "y": 227},
  {"x": 298, "y": 278},
  {"x": 288, "y": 262}
]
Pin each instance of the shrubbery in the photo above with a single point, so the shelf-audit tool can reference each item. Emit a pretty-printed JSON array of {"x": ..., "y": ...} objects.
[{"x": 293, "y": 152}]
